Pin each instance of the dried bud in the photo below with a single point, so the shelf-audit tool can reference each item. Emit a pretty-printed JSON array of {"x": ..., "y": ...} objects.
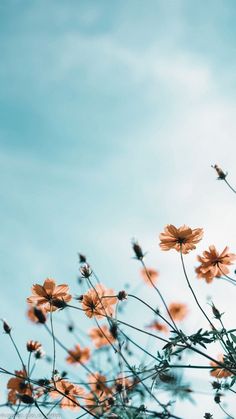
[
  {"x": 33, "y": 346},
  {"x": 216, "y": 312},
  {"x": 122, "y": 295},
  {"x": 39, "y": 314},
  {"x": 70, "y": 327},
  {"x": 82, "y": 258},
  {"x": 6, "y": 327},
  {"x": 85, "y": 271},
  {"x": 220, "y": 173},
  {"x": 208, "y": 416},
  {"x": 216, "y": 385},
  {"x": 57, "y": 302},
  {"x": 25, "y": 398},
  {"x": 217, "y": 398},
  {"x": 80, "y": 297},
  {"x": 137, "y": 250}
]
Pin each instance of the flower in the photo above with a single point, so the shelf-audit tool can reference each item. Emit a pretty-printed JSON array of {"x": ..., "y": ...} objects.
[
  {"x": 181, "y": 239},
  {"x": 33, "y": 346},
  {"x": 214, "y": 264},
  {"x": 98, "y": 301},
  {"x": 149, "y": 275},
  {"x": 219, "y": 372},
  {"x": 123, "y": 383},
  {"x": 98, "y": 404},
  {"x": 43, "y": 295},
  {"x": 70, "y": 390},
  {"x": 78, "y": 355},
  {"x": 178, "y": 311},
  {"x": 97, "y": 383},
  {"x": 36, "y": 315},
  {"x": 98, "y": 336},
  {"x": 18, "y": 386},
  {"x": 161, "y": 327}
]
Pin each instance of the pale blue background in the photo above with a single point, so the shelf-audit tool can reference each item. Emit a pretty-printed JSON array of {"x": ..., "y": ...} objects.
[{"x": 111, "y": 114}]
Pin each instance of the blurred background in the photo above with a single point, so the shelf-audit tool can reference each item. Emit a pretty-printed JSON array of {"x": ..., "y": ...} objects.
[{"x": 111, "y": 114}]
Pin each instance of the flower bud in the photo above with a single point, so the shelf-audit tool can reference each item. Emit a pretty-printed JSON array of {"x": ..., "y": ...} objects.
[
  {"x": 6, "y": 327},
  {"x": 122, "y": 295},
  {"x": 137, "y": 250},
  {"x": 219, "y": 171}
]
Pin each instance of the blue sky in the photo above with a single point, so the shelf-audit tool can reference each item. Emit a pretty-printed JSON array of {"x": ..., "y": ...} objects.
[{"x": 111, "y": 114}]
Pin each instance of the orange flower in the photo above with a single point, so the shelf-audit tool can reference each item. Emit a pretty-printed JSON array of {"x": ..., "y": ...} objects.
[
  {"x": 18, "y": 386},
  {"x": 219, "y": 372},
  {"x": 98, "y": 337},
  {"x": 123, "y": 383},
  {"x": 33, "y": 346},
  {"x": 98, "y": 404},
  {"x": 78, "y": 355},
  {"x": 214, "y": 264},
  {"x": 33, "y": 318},
  {"x": 161, "y": 327},
  {"x": 151, "y": 273},
  {"x": 44, "y": 295},
  {"x": 178, "y": 311},
  {"x": 182, "y": 238},
  {"x": 97, "y": 383},
  {"x": 70, "y": 390},
  {"x": 98, "y": 301}
]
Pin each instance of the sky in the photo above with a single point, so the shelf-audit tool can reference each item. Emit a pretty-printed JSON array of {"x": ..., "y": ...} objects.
[{"x": 111, "y": 115}]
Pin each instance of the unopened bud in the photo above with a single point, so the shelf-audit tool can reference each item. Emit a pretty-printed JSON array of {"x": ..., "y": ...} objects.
[
  {"x": 216, "y": 312},
  {"x": 6, "y": 327},
  {"x": 85, "y": 271},
  {"x": 82, "y": 258},
  {"x": 219, "y": 171},
  {"x": 137, "y": 250},
  {"x": 122, "y": 295}
]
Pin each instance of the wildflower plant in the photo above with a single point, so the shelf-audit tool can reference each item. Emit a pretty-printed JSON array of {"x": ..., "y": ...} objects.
[{"x": 108, "y": 372}]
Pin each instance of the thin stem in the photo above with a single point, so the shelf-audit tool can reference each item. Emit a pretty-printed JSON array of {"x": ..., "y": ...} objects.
[
  {"x": 54, "y": 346},
  {"x": 231, "y": 187},
  {"x": 151, "y": 308},
  {"x": 193, "y": 293},
  {"x": 159, "y": 293}
]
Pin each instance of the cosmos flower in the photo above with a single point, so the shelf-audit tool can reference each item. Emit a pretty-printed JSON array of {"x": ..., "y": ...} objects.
[
  {"x": 97, "y": 383},
  {"x": 219, "y": 372},
  {"x": 98, "y": 336},
  {"x": 36, "y": 315},
  {"x": 73, "y": 391},
  {"x": 178, "y": 311},
  {"x": 33, "y": 346},
  {"x": 149, "y": 274},
  {"x": 18, "y": 386},
  {"x": 182, "y": 238},
  {"x": 44, "y": 295},
  {"x": 98, "y": 301},
  {"x": 160, "y": 327},
  {"x": 214, "y": 264},
  {"x": 78, "y": 355}
]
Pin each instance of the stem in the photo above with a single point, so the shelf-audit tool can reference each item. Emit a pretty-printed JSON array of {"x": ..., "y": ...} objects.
[
  {"x": 159, "y": 293},
  {"x": 192, "y": 291},
  {"x": 231, "y": 187}
]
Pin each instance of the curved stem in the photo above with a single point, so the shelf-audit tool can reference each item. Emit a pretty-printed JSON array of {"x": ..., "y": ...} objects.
[{"x": 231, "y": 187}]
